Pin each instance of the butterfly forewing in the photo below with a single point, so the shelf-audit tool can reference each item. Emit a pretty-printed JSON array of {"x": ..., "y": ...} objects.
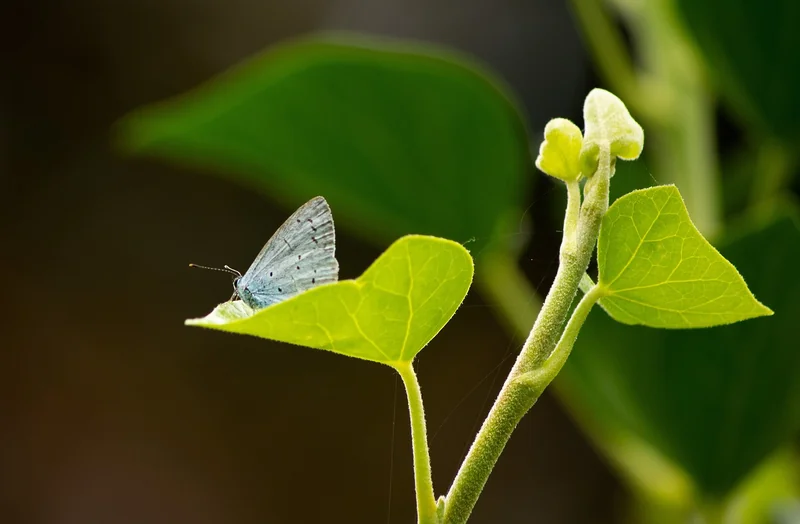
[{"x": 299, "y": 256}]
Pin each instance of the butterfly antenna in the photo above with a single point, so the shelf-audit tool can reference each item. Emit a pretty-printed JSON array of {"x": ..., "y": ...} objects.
[
  {"x": 231, "y": 270},
  {"x": 225, "y": 269}
]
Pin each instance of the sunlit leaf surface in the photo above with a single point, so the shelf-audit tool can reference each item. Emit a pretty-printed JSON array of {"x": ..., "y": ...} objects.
[
  {"x": 716, "y": 401},
  {"x": 659, "y": 271},
  {"x": 386, "y": 315}
]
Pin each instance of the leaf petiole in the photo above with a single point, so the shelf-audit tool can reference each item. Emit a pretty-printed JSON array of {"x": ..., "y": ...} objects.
[
  {"x": 540, "y": 378},
  {"x": 426, "y": 501},
  {"x": 571, "y": 217}
]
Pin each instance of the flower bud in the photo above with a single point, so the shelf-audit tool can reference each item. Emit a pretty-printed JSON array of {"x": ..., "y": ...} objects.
[
  {"x": 608, "y": 122},
  {"x": 558, "y": 154}
]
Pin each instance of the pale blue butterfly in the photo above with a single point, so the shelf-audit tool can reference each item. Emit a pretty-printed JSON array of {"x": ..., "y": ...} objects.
[{"x": 300, "y": 255}]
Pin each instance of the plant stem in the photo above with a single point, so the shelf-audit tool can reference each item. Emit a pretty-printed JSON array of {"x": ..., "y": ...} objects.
[
  {"x": 607, "y": 47},
  {"x": 574, "y": 260},
  {"x": 682, "y": 124},
  {"x": 572, "y": 216},
  {"x": 773, "y": 171},
  {"x": 426, "y": 501},
  {"x": 505, "y": 285},
  {"x": 712, "y": 513},
  {"x": 542, "y": 377},
  {"x": 518, "y": 396},
  {"x": 670, "y": 94}
]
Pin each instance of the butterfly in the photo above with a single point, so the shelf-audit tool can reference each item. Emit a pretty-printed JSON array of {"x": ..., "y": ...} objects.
[{"x": 300, "y": 255}]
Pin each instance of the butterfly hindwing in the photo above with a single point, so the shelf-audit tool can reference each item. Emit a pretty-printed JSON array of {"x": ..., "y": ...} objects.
[{"x": 299, "y": 256}]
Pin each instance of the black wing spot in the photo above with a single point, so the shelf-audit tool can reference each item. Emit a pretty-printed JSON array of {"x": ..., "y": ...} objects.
[
  {"x": 270, "y": 273},
  {"x": 315, "y": 271},
  {"x": 298, "y": 220},
  {"x": 314, "y": 239},
  {"x": 313, "y": 229},
  {"x": 298, "y": 257},
  {"x": 298, "y": 267},
  {"x": 313, "y": 280},
  {"x": 280, "y": 290}
]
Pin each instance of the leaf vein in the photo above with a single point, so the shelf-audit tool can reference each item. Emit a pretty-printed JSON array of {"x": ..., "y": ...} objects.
[{"x": 641, "y": 241}]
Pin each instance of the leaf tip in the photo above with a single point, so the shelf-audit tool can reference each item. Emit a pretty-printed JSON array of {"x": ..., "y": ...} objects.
[{"x": 763, "y": 311}]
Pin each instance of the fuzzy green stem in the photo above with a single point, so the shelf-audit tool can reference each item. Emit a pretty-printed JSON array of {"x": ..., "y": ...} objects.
[
  {"x": 426, "y": 502},
  {"x": 571, "y": 217},
  {"x": 518, "y": 396},
  {"x": 574, "y": 261},
  {"x": 542, "y": 377}
]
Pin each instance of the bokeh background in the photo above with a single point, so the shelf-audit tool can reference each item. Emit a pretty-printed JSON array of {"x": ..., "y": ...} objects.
[{"x": 111, "y": 411}]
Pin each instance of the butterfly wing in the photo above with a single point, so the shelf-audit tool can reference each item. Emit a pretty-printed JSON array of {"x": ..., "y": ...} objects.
[{"x": 299, "y": 256}]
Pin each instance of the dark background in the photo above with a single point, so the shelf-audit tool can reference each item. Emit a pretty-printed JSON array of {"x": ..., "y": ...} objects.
[{"x": 111, "y": 411}]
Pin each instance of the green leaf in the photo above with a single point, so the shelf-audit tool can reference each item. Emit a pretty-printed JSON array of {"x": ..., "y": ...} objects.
[
  {"x": 751, "y": 48},
  {"x": 400, "y": 138},
  {"x": 386, "y": 315},
  {"x": 659, "y": 271},
  {"x": 716, "y": 401}
]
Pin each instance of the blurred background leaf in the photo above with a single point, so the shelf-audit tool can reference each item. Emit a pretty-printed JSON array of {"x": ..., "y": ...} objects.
[
  {"x": 400, "y": 138},
  {"x": 114, "y": 410},
  {"x": 751, "y": 52}
]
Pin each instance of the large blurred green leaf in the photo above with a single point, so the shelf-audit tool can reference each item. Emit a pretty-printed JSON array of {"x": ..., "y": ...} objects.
[
  {"x": 657, "y": 270},
  {"x": 716, "y": 401},
  {"x": 399, "y": 138},
  {"x": 752, "y": 50},
  {"x": 386, "y": 315}
]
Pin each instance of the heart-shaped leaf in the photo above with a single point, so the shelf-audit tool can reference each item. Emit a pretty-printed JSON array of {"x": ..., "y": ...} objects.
[
  {"x": 658, "y": 270},
  {"x": 716, "y": 401},
  {"x": 386, "y": 315},
  {"x": 399, "y": 137}
]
